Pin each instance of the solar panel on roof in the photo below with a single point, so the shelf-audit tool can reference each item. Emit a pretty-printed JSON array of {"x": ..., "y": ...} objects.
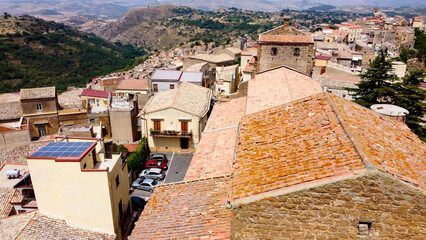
[{"x": 62, "y": 149}]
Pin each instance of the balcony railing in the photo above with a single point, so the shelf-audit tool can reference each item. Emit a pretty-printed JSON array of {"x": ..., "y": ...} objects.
[{"x": 170, "y": 133}]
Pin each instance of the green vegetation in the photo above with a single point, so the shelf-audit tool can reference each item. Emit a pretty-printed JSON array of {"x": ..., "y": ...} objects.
[
  {"x": 138, "y": 158},
  {"x": 420, "y": 45},
  {"x": 41, "y": 53},
  {"x": 379, "y": 86}
]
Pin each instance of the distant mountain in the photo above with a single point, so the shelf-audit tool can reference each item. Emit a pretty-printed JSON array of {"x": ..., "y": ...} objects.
[
  {"x": 109, "y": 9},
  {"x": 322, "y": 8},
  {"x": 35, "y": 53}
]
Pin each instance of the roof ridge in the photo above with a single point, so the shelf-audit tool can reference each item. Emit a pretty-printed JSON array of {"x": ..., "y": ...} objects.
[
  {"x": 365, "y": 160},
  {"x": 294, "y": 101}
]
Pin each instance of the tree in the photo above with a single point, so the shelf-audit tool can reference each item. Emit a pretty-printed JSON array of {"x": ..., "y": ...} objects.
[
  {"x": 376, "y": 84},
  {"x": 406, "y": 54},
  {"x": 411, "y": 97}
]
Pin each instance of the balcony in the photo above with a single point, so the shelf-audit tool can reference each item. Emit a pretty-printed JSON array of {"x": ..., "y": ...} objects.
[{"x": 170, "y": 133}]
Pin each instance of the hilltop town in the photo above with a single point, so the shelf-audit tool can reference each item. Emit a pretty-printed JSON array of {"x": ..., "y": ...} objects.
[{"x": 256, "y": 137}]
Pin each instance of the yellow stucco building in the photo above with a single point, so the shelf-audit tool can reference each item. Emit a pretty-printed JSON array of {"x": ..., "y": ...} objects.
[
  {"x": 74, "y": 180},
  {"x": 174, "y": 120}
]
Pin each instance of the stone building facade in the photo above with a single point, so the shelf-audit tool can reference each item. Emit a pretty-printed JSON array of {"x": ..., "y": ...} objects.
[
  {"x": 40, "y": 108},
  {"x": 285, "y": 46},
  {"x": 373, "y": 206}
]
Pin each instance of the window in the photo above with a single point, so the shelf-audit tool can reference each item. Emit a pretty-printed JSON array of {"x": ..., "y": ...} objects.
[
  {"x": 155, "y": 87},
  {"x": 184, "y": 127},
  {"x": 91, "y": 101},
  {"x": 157, "y": 126},
  {"x": 92, "y": 120},
  {"x": 120, "y": 209},
  {"x": 296, "y": 52},
  {"x": 364, "y": 228},
  {"x": 274, "y": 51},
  {"x": 84, "y": 166},
  {"x": 117, "y": 181},
  {"x": 39, "y": 107},
  {"x": 97, "y": 102},
  {"x": 172, "y": 86}
]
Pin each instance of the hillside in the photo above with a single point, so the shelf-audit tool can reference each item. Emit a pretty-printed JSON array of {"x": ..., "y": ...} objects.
[
  {"x": 165, "y": 27},
  {"x": 35, "y": 53}
]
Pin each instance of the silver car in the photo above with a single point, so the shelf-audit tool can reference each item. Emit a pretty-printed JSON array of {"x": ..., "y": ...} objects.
[
  {"x": 152, "y": 173},
  {"x": 144, "y": 184}
]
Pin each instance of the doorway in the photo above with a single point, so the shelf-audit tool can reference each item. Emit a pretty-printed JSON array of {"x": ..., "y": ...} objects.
[
  {"x": 42, "y": 131},
  {"x": 184, "y": 143}
]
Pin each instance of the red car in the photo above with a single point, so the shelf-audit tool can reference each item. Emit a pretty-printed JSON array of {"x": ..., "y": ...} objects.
[{"x": 156, "y": 164}]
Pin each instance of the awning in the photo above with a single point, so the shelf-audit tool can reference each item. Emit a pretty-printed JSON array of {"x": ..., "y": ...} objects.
[{"x": 157, "y": 118}]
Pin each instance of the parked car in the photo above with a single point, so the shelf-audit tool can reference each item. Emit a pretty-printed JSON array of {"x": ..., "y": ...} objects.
[
  {"x": 158, "y": 156},
  {"x": 138, "y": 204},
  {"x": 144, "y": 184},
  {"x": 156, "y": 164},
  {"x": 152, "y": 173}
]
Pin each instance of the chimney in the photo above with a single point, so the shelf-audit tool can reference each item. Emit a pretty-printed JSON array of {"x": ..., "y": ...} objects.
[{"x": 286, "y": 27}]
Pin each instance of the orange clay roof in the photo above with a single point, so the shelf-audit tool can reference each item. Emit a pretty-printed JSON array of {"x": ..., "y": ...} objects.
[
  {"x": 249, "y": 68},
  {"x": 386, "y": 144},
  {"x": 131, "y": 146},
  {"x": 133, "y": 84},
  {"x": 278, "y": 86},
  {"x": 318, "y": 138},
  {"x": 286, "y": 38},
  {"x": 215, "y": 152},
  {"x": 186, "y": 210}
]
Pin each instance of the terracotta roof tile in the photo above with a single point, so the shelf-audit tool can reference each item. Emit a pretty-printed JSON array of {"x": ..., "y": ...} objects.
[
  {"x": 6, "y": 195},
  {"x": 249, "y": 68},
  {"x": 249, "y": 52},
  {"x": 131, "y": 146},
  {"x": 37, "y": 93},
  {"x": 33, "y": 226},
  {"x": 278, "y": 86},
  {"x": 215, "y": 152},
  {"x": 387, "y": 144},
  {"x": 188, "y": 97},
  {"x": 133, "y": 84},
  {"x": 291, "y": 144},
  {"x": 10, "y": 106},
  {"x": 95, "y": 93},
  {"x": 187, "y": 210},
  {"x": 286, "y": 38}
]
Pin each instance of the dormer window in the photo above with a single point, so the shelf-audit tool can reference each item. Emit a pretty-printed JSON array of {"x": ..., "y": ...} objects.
[
  {"x": 39, "y": 107},
  {"x": 296, "y": 52},
  {"x": 274, "y": 51}
]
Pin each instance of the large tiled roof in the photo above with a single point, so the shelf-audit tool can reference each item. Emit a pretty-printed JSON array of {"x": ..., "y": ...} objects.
[
  {"x": 95, "y": 93},
  {"x": 215, "y": 152},
  {"x": 186, "y": 210},
  {"x": 133, "y": 84},
  {"x": 286, "y": 38},
  {"x": 38, "y": 93},
  {"x": 318, "y": 138},
  {"x": 6, "y": 195},
  {"x": 278, "y": 86},
  {"x": 71, "y": 99},
  {"x": 10, "y": 106},
  {"x": 188, "y": 97},
  {"x": 388, "y": 145},
  {"x": 33, "y": 226},
  {"x": 291, "y": 144}
]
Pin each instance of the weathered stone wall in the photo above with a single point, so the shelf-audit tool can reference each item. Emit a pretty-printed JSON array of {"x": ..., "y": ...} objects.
[
  {"x": 341, "y": 210},
  {"x": 30, "y": 106},
  {"x": 104, "y": 118},
  {"x": 14, "y": 138},
  {"x": 52, "y": 124},
  {"x": 285, "y": 56},
  {"x": 73, "y": 118}
]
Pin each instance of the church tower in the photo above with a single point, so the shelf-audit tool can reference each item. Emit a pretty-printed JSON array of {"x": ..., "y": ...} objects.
[{"x": 287, "y": 46}]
